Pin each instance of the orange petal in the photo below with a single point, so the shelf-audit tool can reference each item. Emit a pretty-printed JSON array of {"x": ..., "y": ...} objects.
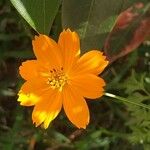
[
  {"x": 31, "y": 91},
  {"x": 70, "y": 47},
  {"x": 88, "y": 85},
  {"x": 28, "y": 69},
  {"x": 91, "y": 62},
  {"x": 28, "y": 99},
  {"x": 47, "y": 109},
  {"x": 75, "y": 107},
  {"x": 47, "y": 50}
]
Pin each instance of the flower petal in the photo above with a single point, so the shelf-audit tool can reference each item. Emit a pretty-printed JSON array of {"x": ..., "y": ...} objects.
[
  {"x": 70, "y": 47},
  {"x": 91, "y": 62},
  {"x": 47, "y": 50},
  {"x": 31, "y": 91},
  {"x": 75, "y": 107},
  {"x": 28, "y": 69},
  {"x": 28, "y": 100},
  {"x": 47, "y": 109},
  {"x": 88, "y": 85}
]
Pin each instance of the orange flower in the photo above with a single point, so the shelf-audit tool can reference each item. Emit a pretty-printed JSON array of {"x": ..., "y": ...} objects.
[{"x": 59, "y": 77}]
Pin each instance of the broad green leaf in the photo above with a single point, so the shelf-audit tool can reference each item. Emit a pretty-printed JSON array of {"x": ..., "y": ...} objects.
[
  {"x": 92, "y": 19},
  {"x": 39, "y": 14}
]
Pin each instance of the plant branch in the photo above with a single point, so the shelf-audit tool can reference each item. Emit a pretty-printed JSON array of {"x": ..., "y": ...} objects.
[{"x": 127, "y": 101}]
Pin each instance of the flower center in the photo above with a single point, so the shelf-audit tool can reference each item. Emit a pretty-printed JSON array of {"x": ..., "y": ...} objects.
[{"x": 57, "y": 79}]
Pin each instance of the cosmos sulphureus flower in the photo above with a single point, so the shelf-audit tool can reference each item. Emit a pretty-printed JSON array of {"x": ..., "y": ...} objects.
[{"x": 60, "y": 78}]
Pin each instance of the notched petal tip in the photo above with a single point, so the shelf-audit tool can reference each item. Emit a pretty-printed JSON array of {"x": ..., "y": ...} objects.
[
  {"x": 37, "y": 38},
  {"x": 67, "y": 30},
  {"x": 37, "y": 120},
  {"x": 28, "y": 69},
  {"x": 36, "y": 124},
  {"x": 83, "y": 126},
  {"x": 70, "y": 32},
  {"x": 105, "y": 58},
  {"x": 102, "y": 54},
  {"x": 93, "y": 61}
]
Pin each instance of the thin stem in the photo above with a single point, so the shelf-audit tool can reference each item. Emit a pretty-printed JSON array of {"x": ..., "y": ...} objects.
[
  {"x": 126, "y": 100},
  {"x": 146, "y": 92}
]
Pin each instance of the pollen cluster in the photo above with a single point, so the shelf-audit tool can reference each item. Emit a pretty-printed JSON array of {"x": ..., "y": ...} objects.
[{"x": 57, "y": 79}]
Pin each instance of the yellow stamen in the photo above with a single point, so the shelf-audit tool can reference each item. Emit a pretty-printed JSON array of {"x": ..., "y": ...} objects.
[{"x": 57, "y": 79}]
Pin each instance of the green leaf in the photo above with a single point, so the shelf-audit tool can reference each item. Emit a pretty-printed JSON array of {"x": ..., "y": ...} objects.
[
  {"x": 139, "y": 121},
  {"x": 92, "y": 19},
  {"x": 39, "y": 14},
  {"x": 139, "y": 117},
  {"x": 134, "y": 83}
]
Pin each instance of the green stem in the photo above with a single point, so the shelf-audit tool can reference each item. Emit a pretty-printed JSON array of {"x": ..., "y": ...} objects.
[
  {"x": 146, "y": 92},
  {"x": 126, "y": 100}
]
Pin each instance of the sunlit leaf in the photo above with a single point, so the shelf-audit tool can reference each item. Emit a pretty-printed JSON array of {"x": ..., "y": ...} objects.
[{"x": 39, "y": 14}]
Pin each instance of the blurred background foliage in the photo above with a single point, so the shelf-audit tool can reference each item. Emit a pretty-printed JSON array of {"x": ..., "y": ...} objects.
[{"x": 122, "y": 30}]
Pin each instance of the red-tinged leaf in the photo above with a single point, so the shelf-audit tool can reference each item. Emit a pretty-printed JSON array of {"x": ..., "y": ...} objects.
[
  {"x": 127, "y": 16},
  {"x": 92, "y": 19},
  {"x": 131, "y": 29}
]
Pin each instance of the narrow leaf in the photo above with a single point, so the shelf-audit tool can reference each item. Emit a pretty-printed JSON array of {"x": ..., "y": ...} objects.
[{"x": 39, "y": 14}]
